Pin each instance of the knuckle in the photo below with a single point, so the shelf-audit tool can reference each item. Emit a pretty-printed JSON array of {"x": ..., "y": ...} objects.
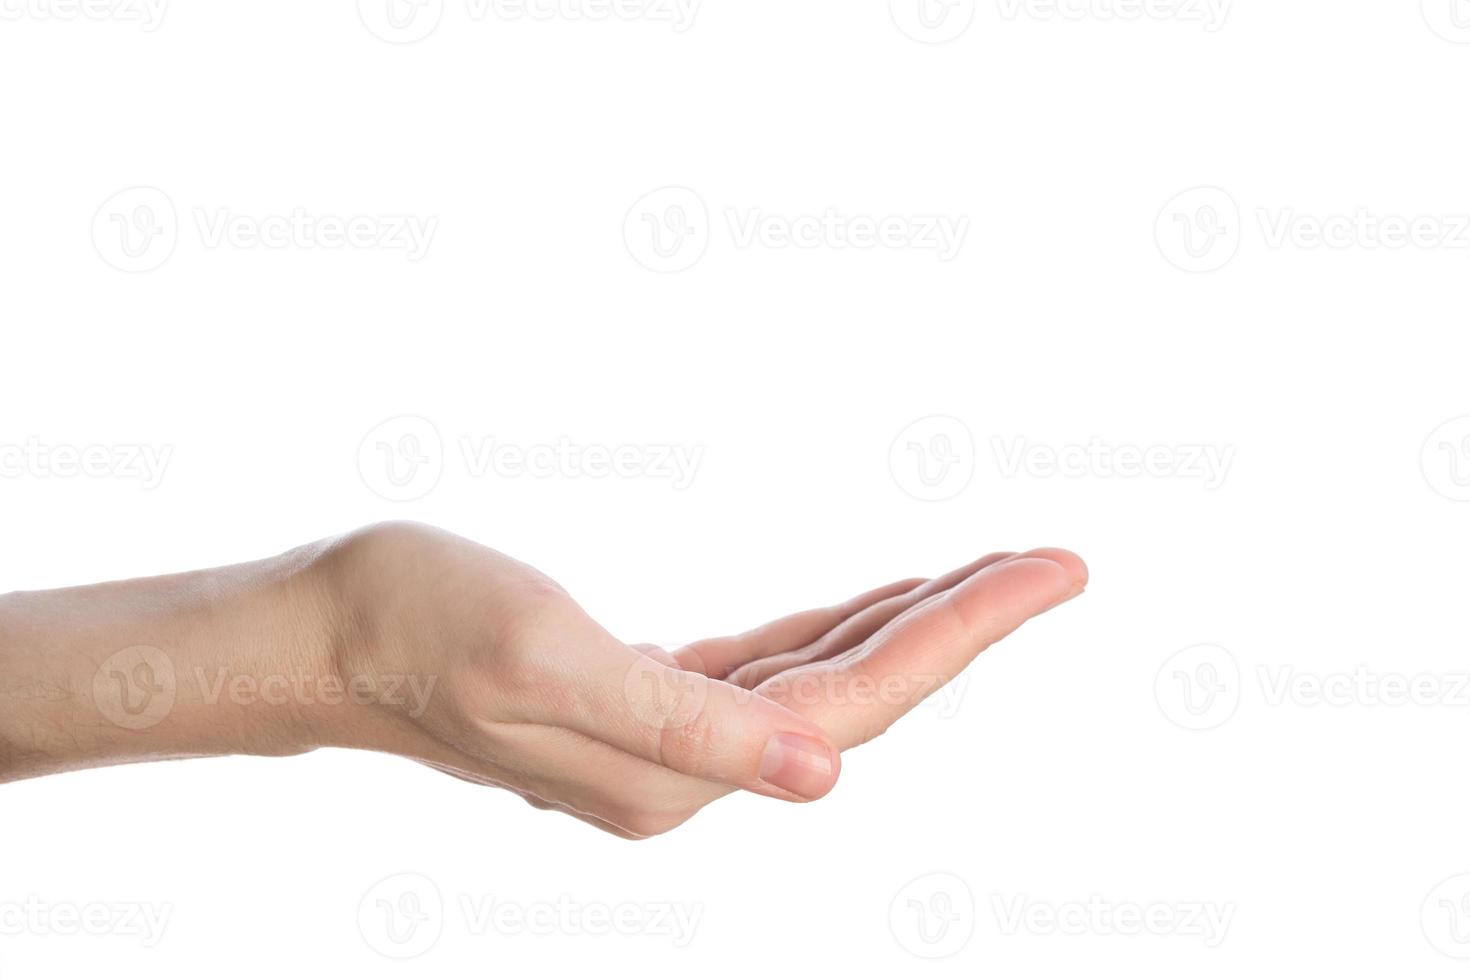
[
  {"x": 690, "y": 746},
  {"x": 530, "y": 688},
  {"x": 530, "y": 665},
  {"x": 517, "y": 675},
  {"x": 870, "y": 732},
  {"x": 394, "y": 538},
  {"x": 533, "y": 608},
  {"x": 743, "y": 676}
]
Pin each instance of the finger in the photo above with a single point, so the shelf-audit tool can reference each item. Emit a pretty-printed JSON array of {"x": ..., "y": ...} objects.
[
  {"x": 858, "y": 628},
  {"x": 697, "y": 725},
  {"x": 1074, "y": 565},
  {"x": 858, "y": 695},
  {"x": 861, "y": 627},
  {"x": 861, "y": 709},
  {"x": 717, "y": 657}
]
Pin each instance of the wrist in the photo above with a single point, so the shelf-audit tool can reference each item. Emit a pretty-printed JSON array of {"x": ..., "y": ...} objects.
[{"x": 362, "y": 597}]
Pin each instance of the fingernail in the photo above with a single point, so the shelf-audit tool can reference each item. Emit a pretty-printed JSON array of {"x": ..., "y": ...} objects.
[{"x": 798, "y": 764}]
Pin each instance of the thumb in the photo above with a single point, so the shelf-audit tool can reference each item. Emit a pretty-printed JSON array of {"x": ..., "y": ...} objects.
[{"x": 705, "y": 728}]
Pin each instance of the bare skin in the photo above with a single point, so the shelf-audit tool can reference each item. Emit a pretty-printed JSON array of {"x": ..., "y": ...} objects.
[{"x": 406, "y": 639}]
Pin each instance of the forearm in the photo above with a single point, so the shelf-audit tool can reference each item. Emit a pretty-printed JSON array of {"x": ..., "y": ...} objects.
[{"x": 203, "y": 663}]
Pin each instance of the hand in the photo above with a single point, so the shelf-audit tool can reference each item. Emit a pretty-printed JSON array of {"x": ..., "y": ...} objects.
[
  {"x": 532, "y": 695},
  {"x": 410, "y": 640}
]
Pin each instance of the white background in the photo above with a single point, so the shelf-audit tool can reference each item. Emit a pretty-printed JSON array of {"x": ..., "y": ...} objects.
[{"x": 1332, "y": 547}]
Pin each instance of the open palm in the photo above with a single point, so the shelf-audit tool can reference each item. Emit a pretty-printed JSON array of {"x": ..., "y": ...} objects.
[{"x": 856, "y": 667}]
